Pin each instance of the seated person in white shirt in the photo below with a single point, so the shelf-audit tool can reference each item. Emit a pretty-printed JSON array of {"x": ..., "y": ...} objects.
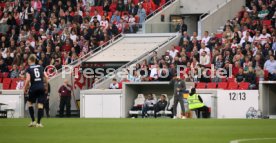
[
  {"x": 114, "y": 84},
  {"x": 264, "y": 37},
  {"x": 204, "y": 48},
  {"x": 195, "y": 36},
  {"x": 204, "y": 59},
  {"x": 205, "y": 39},
  {"x": 154, "y": 72},
  {"x": 173, "y": 52}
]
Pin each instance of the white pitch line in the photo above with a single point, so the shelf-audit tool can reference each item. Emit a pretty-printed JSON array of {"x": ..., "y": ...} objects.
[{"x": 256, "y": 139}]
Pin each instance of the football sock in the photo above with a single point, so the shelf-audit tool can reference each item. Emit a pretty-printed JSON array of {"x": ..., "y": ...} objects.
[
  {"x": 31, "y": 111},
  {"x": 39, "y": 115}
]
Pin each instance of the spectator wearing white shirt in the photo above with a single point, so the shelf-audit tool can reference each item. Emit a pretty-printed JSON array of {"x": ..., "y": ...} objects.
[
  {"x": 114, "y": 84},
  {"x": 134, "y": 77},
  {"x": 96, "y": 14},
  {"x": 245, "y": 30},
  {"x": 104, "y": 23},
  {"x": 131, "y": 22},
  {"x": 204, "y": 48},
  {"x": 73, "y": 36},
  {"x": 264, "y": 37},
  {"x": 20, "y": 83},
  {"x": 195, "y": 36},
  {"x": 173, "y": 52},
  {"x": 205, "y": 38},
  {"x": 246, "y": 39},
  {"x": 204, "y": 59},
  {"x": 154, "y": 72}
]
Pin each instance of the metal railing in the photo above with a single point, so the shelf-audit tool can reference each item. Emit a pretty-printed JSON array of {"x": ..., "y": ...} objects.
[
  {"x": 209, "y": 12},
  {"x": 90, "y": 54},
  {"x": 140, "y": 58},
  {"x": 158, "y": 9},
  {"x": 212, "y": 10}
]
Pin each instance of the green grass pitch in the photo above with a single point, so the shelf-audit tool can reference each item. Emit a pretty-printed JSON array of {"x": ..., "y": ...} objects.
[{"x": 137, "y": 131}]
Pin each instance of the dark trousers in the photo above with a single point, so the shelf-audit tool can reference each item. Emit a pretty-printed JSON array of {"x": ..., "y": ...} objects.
[
  {"x": 158, "y": 108},
  {"x": 272, "y": 76},
  {"x": 65, "y": 101},
  {"x": 202, "y": 112},
  {"x": 145, "y": 109},
  {"x": 46, "y": 107},
  {"x": 177, "y": 99}
]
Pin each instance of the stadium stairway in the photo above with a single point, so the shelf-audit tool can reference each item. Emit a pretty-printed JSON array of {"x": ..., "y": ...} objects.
[
  {"x": 145, "y": 44},
  {"x": 209, "y": 20}
]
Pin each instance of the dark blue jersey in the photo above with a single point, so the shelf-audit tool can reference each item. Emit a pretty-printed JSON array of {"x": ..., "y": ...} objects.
[{"x": 37, "y": 75}]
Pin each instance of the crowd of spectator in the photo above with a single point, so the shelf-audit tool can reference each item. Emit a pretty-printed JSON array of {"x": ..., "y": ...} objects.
[
  {"x": 61, "y": 31},
  {"x": 247, "y": 45}
]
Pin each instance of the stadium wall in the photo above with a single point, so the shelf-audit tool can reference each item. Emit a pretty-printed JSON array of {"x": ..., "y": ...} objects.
[
  {"x": 218, "y": 16},
  {"x": 14, "y": 99},
  {"x": 155, "y": 25},
  {"x": 110, "y": 103},
  {"x": 198, "y": 6},
  {"x": 268, "y": 98}
]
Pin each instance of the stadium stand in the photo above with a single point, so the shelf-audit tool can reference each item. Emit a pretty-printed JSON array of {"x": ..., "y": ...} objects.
[
  {"x": 247, "y": 42},
  {"x": 61, "y": 32}
]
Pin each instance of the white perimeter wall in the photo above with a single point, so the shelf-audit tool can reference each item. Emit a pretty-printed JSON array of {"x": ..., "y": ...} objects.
[{"x": 198, "y": 6}]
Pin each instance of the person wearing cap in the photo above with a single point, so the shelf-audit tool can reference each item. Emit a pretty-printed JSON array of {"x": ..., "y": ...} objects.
[
  {"x": 196, "y": 104},
  {"x": 179, "y": 87}
]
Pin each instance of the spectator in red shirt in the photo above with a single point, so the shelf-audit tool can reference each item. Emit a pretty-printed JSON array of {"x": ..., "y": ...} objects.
[{"x": 65, "y": 98}]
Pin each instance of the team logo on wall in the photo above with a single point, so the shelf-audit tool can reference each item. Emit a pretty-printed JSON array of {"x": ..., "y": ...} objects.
[{"x": 50, "y": 71}]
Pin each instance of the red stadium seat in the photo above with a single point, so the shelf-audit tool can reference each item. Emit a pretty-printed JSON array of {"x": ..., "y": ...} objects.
[
  {"x": 15, "y": 80},
  {"x": 6, "y": 86},
  {"x": 212, "y": 85},
  {"x": 265, "y": 74},
  {"x": 223, "y": 80},
  {"x": 219, "y": 35},
  {"x": 267, "y": 22},
  {"x": 232, "y": 79},
  {"x": 201, "y": 85},
  {"x": 135, "y": 2},
  {"x": 7, "y": 80},
  {"x": 233, "y": 85},
  {"x": 222, "y": 85},
  {"x": 178, "y": 48},
  {"x": 92, "y": 9},
  {"x": 244, "y": 85},
  {"x": 13, "y": 85},
  {"x": 5, "y": 74}
]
